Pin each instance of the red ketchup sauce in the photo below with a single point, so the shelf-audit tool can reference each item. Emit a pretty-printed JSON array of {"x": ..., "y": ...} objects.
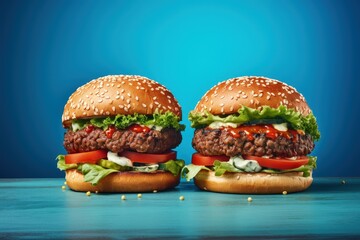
[
  {"x": 268, "y": 129},
  {"x": 139, "y": 129},
  {"x": 135, "y": 128},
  {"x": 110, "y": 131},
  {"x": 89, "y": 128}
]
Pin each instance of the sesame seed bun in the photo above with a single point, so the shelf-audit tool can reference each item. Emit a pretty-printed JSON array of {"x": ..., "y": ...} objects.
[
  {"x": 119, "y": 94},
  {"x": 254, "y": 92},
  {"x": 124, "y": 182},
  {"x": 254, "y": 183}
]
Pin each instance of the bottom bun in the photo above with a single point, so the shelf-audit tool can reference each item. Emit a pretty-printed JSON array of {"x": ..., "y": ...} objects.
[
  {"x": 124, "y": 182},
  {"x": 258, "y": 183}
]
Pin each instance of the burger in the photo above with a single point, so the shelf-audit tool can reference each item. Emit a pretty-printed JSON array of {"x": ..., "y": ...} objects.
[
  {"x": 252, "y": 135},
  {"x": 120, "y": 132}
]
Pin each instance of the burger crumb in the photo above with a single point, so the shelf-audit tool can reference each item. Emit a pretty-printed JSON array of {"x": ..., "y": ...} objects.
[
  {"x": 123, "y": 197},
  {"x": 249, "y": 199},
  {"x": 65, "y": 183},
  {"x": 284, "y": 192},
  {"x": 63, "y": 187},
  {"x": 155, "y": 191},
  {"x": 182, "y": 198},
  {"x": 205, "y": 188},
  {"x": 88, "y": 193},
  {"x": 139, "y": 195},
  {"x": 343, "y": 181},
  {"x": 96, "y": 192}
]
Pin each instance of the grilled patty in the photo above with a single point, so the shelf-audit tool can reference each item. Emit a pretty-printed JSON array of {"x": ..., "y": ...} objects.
[
  {"x": 151, "y": 142},
  {"x": 220, "y": 142}
]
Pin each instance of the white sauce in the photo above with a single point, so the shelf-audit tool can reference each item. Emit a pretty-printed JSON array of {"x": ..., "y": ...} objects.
[
  {"x": 123, "y": 161},
  {"x": 282, "y": 127},
  {"x": 245, "y": 165},
  {"x": 151, "y": 126},
  {"x": 147, "y": 168},
  {"x": 155, "y": 127},
  {"x": 217, "y": 125}
]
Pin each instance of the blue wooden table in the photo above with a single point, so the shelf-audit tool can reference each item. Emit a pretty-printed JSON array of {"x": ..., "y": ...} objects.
[{"x": 40, "y": 209}]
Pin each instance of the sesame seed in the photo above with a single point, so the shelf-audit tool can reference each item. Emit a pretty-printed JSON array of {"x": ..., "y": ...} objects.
[
  {"x": 251, "y": 101},
  {"x": 136, "y": 98},
  {"x": 144, "y": 105},
  {"x": 221, "y": 104},
  {"x": 268, "y": 97},
  {"x": 100, "y": 100},
  {"x": 113, "y": 108},
  {"x": 231, "y": 108},
  {"x": 244, "y": 96}
]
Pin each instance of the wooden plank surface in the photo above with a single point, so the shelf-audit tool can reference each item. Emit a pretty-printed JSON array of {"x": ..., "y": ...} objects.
[{"x": 40, "y": 209}]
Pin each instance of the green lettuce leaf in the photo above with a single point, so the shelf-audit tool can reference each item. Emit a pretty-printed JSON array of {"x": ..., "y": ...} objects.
[
  {"x": 165, "y": 120},
  {"x": 221, "y": 167},
  {"x": 249, "y": 115},
  {"x": 173, "y": 166},
  {"x": 191, "y": 170},
  {"x": 94, "y": 173},
  {"x": 62, "y": 165}
]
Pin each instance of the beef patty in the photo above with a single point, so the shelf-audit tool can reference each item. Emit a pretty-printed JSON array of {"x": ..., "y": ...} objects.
[
  {"x": 220, "y": 142},
  {"x": 150, "y": 142}
]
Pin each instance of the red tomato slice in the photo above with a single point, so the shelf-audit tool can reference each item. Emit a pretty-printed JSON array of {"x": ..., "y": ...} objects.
[
  {"x": 279, "y": 163},
  {"x": 85, "y": 157},
  {"x": 149, "y": 157},
  {"x": 199, "y": 159}
]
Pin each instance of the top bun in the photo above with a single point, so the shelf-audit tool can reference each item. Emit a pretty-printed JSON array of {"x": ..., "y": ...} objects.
[
  {"x": 119, "y": 94},
  {"x": 253, "y": 92}
]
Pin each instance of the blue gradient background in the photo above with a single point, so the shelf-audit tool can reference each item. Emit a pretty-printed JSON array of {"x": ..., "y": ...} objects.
[{"x": 49, "y": 48}]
